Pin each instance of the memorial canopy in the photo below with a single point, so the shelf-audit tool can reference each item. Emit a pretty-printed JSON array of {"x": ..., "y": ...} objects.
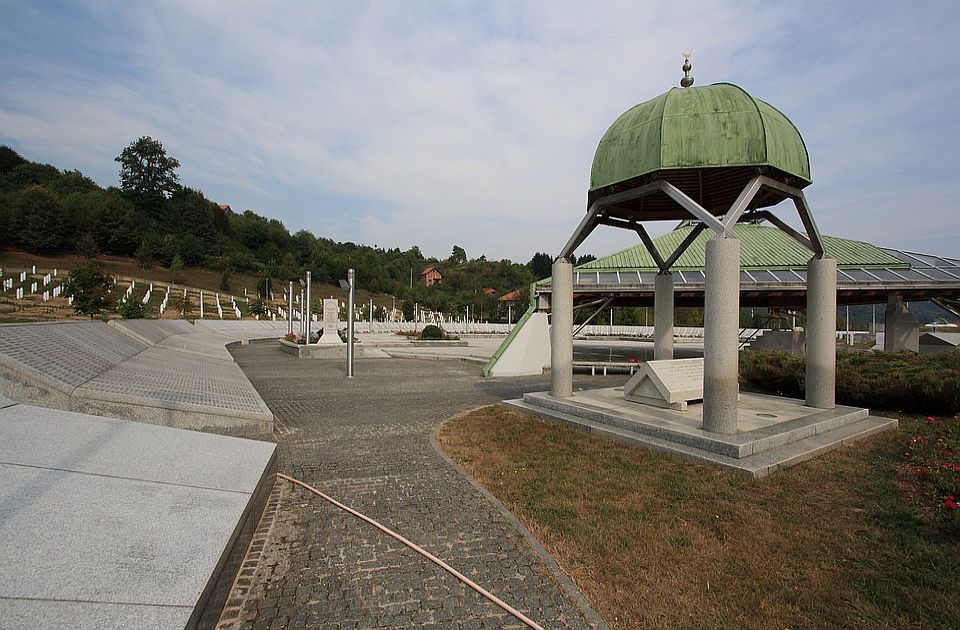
[
  {"x": 772, "y": 271},
  {"x": 706, "y": 141}
]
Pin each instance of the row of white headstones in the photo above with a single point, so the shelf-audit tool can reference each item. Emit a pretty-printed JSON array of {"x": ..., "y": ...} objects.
[{"x": 48, "y": 292}]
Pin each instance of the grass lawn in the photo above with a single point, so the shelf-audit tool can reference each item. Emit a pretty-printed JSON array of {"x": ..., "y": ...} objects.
[{"x": 654, "y": 540}]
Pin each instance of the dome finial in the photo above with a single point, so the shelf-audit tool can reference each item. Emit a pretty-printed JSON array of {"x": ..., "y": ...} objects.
[{"x": 687, "y": 80}]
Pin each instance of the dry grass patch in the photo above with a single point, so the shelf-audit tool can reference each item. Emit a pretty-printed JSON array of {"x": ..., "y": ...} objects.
[{"x": 653, "y": 540}]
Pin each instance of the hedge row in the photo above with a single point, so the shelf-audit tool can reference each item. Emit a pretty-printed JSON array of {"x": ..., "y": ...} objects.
[{"x": 899, "y": 381}]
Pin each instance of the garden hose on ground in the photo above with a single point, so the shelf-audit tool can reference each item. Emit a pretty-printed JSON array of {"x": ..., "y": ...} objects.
[{"x": 423, "y": 552}]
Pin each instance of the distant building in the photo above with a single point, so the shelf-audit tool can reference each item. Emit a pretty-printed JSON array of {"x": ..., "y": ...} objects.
[
  {"x": 225, "y": 208},
  {"x": 489, "y": 291},
  {"x": 516, "y": 295},
  {"x": 431, "y": 276}
]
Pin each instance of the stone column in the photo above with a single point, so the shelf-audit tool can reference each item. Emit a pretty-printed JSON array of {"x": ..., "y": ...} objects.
[
  {"x": 821, "y": 333},
  {"x": 721, "y": 335},
  {"x": 901, "y": 330},
  {"x": 561, "y": 330},
  {"x": 663, "y": 316}
]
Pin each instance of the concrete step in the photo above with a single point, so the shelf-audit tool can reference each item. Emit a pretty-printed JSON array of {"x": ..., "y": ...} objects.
[
  {"x": 743, "y": 444},
  {"x": 758, "y": 464}
]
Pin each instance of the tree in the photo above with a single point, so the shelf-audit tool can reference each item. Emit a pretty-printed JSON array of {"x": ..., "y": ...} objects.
[
  {"x": 146, "y": 171},
  {"x": 143, "y": 254},
  {"x": 38, "y": 220},
  {"x": 176, "y": 269},
  {"x": 258, "y": 308},
  {"x": 541, "y": 265},
  {"x": 186, "y": 307},
  {"x": 87, "y": 246},
  {"x": 458, "y": 256},
  {"x": 225, "y": 280},
  {"x": 408, "y": 311},
  {"x": 90, "y": 288},
  {"x": 584, "y": 259}
]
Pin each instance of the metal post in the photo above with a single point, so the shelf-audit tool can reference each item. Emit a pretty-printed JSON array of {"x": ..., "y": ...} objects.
[
  {"x": 290, "y": 312},
  {"x": 848, "y": 325},
  {"x": 350, "y": 317},
  {"x": 509, "y": 315},
  {"x": 371, "y": 315},
  {"x": 306, "y": 307}
]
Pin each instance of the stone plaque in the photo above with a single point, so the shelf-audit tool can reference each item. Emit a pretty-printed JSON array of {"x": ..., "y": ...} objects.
[
  {"x": 331, "y": 322},
  {"x": 671, "y": 384}
]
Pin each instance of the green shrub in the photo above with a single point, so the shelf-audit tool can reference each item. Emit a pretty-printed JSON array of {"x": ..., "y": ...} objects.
[
  {"x": 431, "y": 332},
  {"x": 132, "y": 309},
  {"x": 901, "y": 381}
]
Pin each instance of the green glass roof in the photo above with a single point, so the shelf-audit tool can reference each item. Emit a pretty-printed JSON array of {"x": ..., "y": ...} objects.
[
  {"x": 718, "y": 125},
  {"x": 761, "y": 247}
]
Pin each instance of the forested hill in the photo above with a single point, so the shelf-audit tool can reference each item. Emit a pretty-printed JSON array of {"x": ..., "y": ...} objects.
[{"x": 151, "y": 217}]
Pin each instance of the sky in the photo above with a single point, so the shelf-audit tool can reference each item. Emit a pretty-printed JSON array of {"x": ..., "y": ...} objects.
[{"x": 475, "y": 123}]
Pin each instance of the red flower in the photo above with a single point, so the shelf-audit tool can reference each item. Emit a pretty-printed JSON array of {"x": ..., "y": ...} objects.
[
  {"x": 950, "y": 504},
  {"x": 930, "y": 420},
  {"x": 947, "y": 452}
]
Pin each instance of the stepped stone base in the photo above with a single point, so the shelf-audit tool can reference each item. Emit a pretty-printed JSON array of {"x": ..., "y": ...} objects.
[{"x": 774, "y": 432}]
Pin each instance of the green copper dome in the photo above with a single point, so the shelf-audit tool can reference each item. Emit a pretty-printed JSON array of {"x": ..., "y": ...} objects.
[{"x": 717, "y": 126}]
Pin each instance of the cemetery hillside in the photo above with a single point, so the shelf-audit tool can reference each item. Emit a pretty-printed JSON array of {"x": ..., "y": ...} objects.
[{"x": 152, "y": 222}]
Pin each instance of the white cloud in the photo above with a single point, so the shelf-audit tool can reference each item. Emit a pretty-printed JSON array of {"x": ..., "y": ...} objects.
[{"x": 419, "y": 123}]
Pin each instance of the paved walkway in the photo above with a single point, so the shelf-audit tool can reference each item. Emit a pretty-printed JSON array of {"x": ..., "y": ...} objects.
[{"x": 367, "y": 443}]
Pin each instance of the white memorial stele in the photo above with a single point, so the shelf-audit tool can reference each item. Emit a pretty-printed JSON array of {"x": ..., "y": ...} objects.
[
  {"x": 331, "y": 322},
  {"x": 669, "y": 383}
]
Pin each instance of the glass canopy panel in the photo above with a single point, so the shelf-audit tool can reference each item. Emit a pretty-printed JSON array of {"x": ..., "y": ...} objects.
[
  {"x": 859, "y": 275},
  {"x": 785, "y": 277},
  {"x": 609, "y": 278}
]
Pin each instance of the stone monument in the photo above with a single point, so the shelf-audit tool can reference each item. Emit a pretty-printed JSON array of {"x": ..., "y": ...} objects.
[
  {"x": 668, "y": 383},
  {"x": 331, "y": 323}
]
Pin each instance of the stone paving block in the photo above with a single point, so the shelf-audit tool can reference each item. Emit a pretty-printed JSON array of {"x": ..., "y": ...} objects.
[
  {"x": 367, "y": 442},
  {"x": 65, "y": 355},
  {"x": 105, "y": 523},
  {"x": 162, "y": 377},
  {"x": 106, "y": 446},
  {"x": 152, "y": 331},
  {"x": 202, "y": 343},
  {"x": 53, "y": 615}
]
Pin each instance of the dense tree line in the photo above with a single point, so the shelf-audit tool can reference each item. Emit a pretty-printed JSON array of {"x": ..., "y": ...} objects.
[{"x": 153, "y": 218}]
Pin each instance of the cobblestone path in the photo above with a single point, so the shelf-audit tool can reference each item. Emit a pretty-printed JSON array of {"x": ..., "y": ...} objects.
[{"x": 367, "y": 442}]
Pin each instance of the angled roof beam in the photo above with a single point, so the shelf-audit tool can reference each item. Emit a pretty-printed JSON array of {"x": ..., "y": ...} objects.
[
  {"x": 810, "y": 225},
  {"x": 783, "y": 227},
  {"x": 803, "y": 209},
  {"x": 648, "y": 243},
  {"x": 684, "y": 245},
  {"x": 691, "y": 206},
  {"x": 740, "y": 205},
  {"x": 587, "y": 225}
]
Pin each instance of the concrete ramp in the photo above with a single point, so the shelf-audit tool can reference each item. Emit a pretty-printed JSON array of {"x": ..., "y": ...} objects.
[{"x": 113, "y": 524}]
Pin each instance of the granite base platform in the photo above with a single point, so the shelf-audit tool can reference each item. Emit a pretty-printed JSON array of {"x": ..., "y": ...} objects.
[
  {"x": 115, "y": 524},
  {"x": 314, "y": 351},
  {"x": 774, "y": 432}
]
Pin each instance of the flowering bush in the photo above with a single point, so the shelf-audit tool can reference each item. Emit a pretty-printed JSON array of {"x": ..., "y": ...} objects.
[
  {"x": 932, "y": 456},
  {"x": 292, "y": 337}
]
